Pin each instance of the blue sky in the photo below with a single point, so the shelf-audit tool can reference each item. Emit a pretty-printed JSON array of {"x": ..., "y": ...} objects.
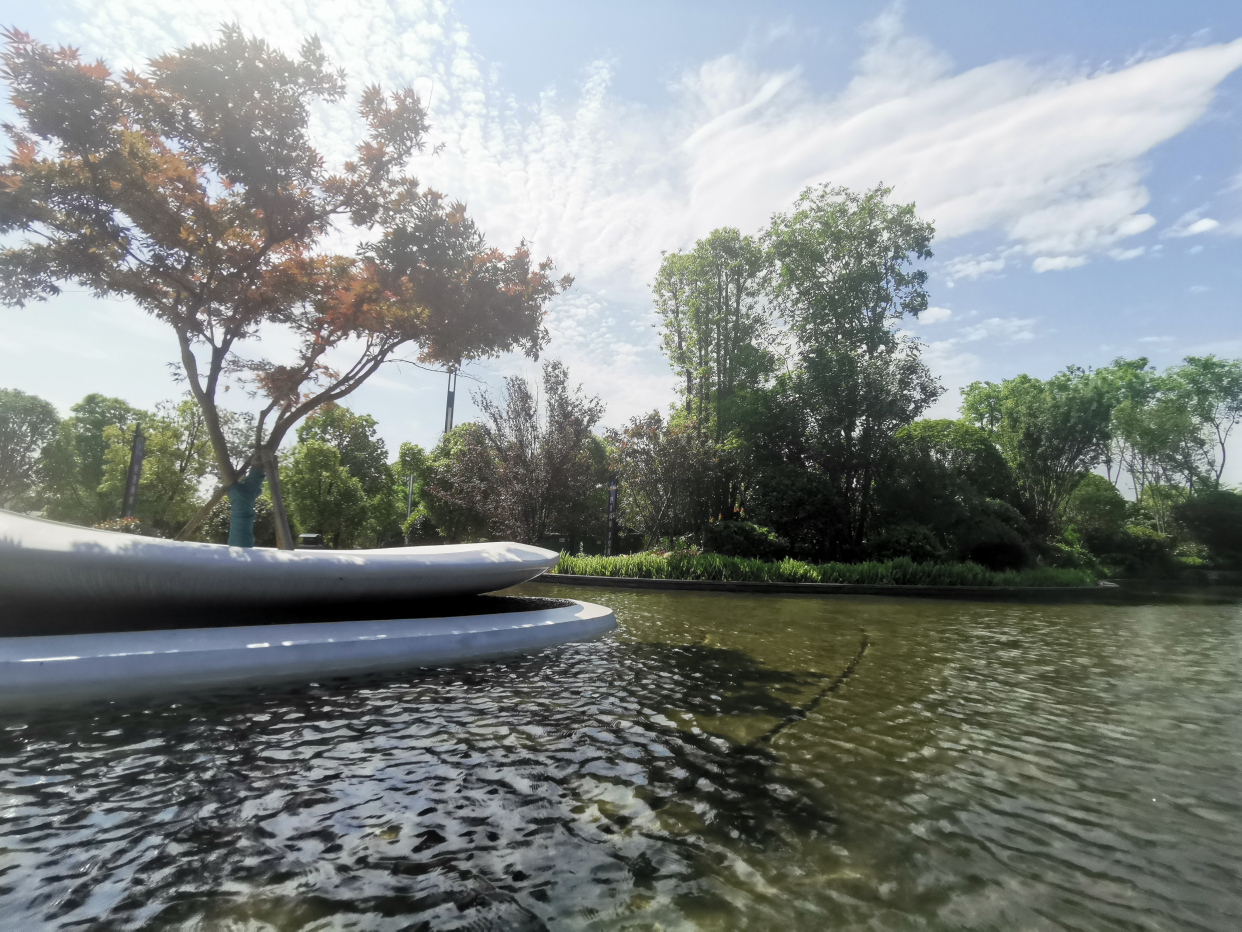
[{"x": 1082, "y": 162}]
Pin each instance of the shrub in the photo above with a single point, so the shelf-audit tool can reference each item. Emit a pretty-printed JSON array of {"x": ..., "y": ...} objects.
[
  {"x": 910, "y": 540},
  {"x": 743, "y": 539},
  {"x": 902, "y": 571},
  {"x": 1214, "y": 519}
]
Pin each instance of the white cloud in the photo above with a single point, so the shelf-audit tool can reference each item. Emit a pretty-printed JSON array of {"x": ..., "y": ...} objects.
[
  {"x": 1192, "y": 224},
  {"x": 1000, "y": 330},
  {"x": 1199, "y": 289},
  {"x": 973, "y": 267},
  {"x": 1050, "y": 159},
  {"x": 934, "y": 315},
  {"x": 1057, "y": 263}
]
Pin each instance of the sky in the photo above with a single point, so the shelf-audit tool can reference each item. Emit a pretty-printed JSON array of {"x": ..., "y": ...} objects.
[{"x": 1082, "y": 164}]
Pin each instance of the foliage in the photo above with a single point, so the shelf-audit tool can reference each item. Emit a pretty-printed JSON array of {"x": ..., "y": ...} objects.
[
  {"x": 900, "y": 572},
  {"x": 544, "y": 465},
  {"x": 177, "y": 457},
  {"x": 1213, "y": 518},
  {"x": 744, "y": 539},
  {"x": 1097, "y": 512},
  {"x": 27, "y": 425},
  {"x": 193, "y": 188},
  {"x": 72, "y": 464},
  {"x": 715, "y": 334},
  {"x": 1050, "y": 432},
  {"x": 456, "y": 480},
  {"x": 324, "y": 497},
  {"x": 665, "y": 473},
  {"x": 364, "y": 456},
  {"x": 843, "y": 278}
]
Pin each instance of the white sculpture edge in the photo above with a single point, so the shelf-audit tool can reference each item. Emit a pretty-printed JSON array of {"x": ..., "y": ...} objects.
[{"x": 112, "y": 664}]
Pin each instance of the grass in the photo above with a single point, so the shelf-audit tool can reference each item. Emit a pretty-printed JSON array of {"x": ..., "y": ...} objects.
[{"x": 899, "y": 572}]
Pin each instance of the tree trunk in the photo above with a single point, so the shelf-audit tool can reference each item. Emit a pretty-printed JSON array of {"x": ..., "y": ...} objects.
[
  {"x": 284, "y": 534},
  {"x": 242, "y": 495}
]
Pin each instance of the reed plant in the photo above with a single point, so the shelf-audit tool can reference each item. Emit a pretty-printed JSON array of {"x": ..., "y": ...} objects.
[{"x": 899, "y": 572}]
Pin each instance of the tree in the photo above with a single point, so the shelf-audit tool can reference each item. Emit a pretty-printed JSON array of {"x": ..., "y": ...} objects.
[
  {"x": 543, "y": 461},
  {"x": 715, "y": 331},
  {"x": 193, "y": 189},
  {"x": 456, "y": 484},
  {"x": 844, "y": 276},
  {"x": 27, "y": 424},
  {"x": 324, "y": 496},
  {"x": 1212, "y": 390},
  {"x": 72, "y": 465},
  {"x": 665, "y": 475},
  {"x": 177, "y": 457},
  {"x": 362, "y": 454},
  {"x": 1050, "y": 432}
]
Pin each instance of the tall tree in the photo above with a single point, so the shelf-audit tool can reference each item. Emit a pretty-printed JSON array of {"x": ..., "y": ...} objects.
[
  {"x": 716, "y": 332},
  {"x": 844, "y": 275},
  {"x": 1050, "y": 432},
  {"x": 27, "y": 424},
  {"x": 72, "y": 465},
  {"x": 193, "y": 189},
  {"x": 544, "y": 463}
]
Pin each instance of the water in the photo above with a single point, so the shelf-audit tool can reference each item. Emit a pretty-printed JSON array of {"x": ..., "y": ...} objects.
[{"x": 721, "y": 762}]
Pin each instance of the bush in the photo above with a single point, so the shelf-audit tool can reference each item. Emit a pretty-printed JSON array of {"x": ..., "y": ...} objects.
[
  {"x": 900, "y": 572},
  {"x": 1214, "y": 519},
  {"x": 910, "y": 540},
  {"x": 743, "y": 539},
  {"x": 994, "y": 534}
]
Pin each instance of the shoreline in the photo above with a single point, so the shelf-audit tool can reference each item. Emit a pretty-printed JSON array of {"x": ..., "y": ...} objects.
[{"x": 1109, "y": 594}]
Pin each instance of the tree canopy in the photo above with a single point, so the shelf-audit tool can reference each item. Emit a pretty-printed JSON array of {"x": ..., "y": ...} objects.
[{"x": 193, "y": 188}]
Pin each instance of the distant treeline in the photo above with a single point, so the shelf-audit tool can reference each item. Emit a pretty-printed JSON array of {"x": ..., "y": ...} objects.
[{"x": 798, "y": 435}]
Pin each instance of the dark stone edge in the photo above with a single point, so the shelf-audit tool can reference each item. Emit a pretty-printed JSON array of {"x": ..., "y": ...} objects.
[{"x": 1106, "y": 594}]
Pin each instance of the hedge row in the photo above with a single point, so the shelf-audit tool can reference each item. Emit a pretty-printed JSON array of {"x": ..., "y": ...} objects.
[{"x": 899, "y": 572}]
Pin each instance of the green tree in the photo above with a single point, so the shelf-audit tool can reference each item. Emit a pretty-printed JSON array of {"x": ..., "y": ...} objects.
[
  {"x": 716, "y": 334},
  {"x": 456, "y": 483},
  {"x": 844, "y": 275},
  {"x": 355, "y": 437},
  {"x": 72, "y": 465},
  {"x": 324, "y": 497},
  {"x": 27, "y": 425},
  {"x": 1050, "y": 432},
  {"x": 177, "y": 457},
  {"x": 1212, "y": 392},
  {"x": 665, "y": 471}
]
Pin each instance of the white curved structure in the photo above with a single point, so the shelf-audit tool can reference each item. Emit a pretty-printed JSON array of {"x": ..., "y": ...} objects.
[
  {"x": 76, "y": 666},
  {"x": 41, "y": 558}
]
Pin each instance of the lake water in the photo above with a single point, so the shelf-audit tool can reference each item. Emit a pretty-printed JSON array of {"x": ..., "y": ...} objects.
[{"x": 721, "y": 762}]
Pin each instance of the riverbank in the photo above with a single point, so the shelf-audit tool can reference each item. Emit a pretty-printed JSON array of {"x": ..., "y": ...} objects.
[{"x": 900, "y": 578}]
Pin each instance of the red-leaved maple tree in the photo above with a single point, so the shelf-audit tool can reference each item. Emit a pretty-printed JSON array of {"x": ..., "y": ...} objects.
[{"x": 193, "y": 188}]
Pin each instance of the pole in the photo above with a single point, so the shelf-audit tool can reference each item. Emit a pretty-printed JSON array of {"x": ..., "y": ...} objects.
[
  {"x": 452, "y": 392},
  {"x": 136, "y": 454},
  {"x": 612, "y": 516}
]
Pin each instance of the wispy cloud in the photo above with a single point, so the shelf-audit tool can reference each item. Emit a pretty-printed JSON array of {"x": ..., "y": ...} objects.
[{"x": 1048, "y": 159}]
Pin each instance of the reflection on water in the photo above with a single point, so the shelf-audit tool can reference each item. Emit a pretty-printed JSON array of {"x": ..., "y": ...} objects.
[{"x": 722, "y": 762}]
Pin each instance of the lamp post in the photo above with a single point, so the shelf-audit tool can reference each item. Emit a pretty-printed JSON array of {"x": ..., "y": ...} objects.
[{"x": 452, "y": 393}]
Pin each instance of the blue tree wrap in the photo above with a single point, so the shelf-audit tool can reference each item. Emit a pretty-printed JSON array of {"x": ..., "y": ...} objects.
[{"x": 241, "y": 508}]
